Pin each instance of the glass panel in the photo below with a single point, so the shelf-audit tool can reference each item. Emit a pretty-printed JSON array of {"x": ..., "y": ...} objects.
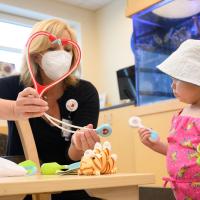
[
  {"x": 12, "y": 40},
  {"x": 154, "y": 39}
]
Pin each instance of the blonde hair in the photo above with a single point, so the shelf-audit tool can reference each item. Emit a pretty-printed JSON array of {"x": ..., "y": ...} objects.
[{"x": 42, "y": 43}]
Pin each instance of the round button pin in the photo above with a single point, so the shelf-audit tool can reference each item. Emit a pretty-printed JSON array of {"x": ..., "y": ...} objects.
[{"x": 71, "y": 105}]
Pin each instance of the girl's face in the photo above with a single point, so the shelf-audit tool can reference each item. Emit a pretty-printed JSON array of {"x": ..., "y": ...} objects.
[{"x": 186, "y": 92}]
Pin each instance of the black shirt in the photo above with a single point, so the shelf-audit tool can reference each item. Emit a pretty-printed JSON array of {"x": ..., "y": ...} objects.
[{"x": 52, "y": 146}]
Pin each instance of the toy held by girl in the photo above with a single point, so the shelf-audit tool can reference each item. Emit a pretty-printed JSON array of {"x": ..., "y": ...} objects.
[{"x": 182, "y": 150}]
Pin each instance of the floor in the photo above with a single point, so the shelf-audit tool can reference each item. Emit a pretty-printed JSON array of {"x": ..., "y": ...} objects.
[{"x": 151, "y": 193}]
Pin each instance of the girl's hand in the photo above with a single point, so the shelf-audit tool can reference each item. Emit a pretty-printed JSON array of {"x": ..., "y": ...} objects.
[
  {"x": 156, "y": 145},
  {"x": 29, "y": 104},
  {"x": 144, "y": 134},
  {"x": 85, "y": 139}
]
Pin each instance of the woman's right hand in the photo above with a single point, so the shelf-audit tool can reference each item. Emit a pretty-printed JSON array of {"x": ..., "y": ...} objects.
[{"x": 29, "y": 104}]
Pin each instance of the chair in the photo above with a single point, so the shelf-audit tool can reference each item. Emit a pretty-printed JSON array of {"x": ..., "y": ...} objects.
[
  {"x": 3, "y": 141},
  {"x": 30, "y": 150}
]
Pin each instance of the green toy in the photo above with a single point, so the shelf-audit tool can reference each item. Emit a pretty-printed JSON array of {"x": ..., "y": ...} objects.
[
  {"x": 72, "y": 169},
  {"x": 30, "y": 167},
  {"x": 51, "y": 168},
  {"x": 54, "y": 168}
]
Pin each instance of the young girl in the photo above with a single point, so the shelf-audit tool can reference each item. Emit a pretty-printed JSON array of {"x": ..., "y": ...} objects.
[{"x": 183, "y": 146}]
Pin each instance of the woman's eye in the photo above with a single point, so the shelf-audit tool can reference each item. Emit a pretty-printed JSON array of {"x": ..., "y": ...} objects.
[
  {"x": 68, "y": 48},
  {"x": 51, "y": 49}
]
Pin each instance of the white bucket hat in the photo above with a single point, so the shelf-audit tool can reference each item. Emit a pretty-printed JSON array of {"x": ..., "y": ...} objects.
[{"x": 184, "y": 63}]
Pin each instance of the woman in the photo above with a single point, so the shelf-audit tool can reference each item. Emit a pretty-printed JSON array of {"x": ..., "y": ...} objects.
[{"x": 47, "y": 60}]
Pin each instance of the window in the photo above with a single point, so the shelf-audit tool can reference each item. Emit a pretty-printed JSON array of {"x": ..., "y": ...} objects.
[
  {"x": 15, "y": 30},
  {"x": 13, "y": 38}
]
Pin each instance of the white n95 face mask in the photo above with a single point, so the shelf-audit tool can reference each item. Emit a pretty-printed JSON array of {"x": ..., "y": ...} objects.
[{"x": 56, "y": 63}]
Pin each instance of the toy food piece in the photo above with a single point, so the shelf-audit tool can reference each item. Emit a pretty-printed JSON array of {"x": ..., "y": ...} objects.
[
  {"x": 52, "y": 168},
  {"x": 29, "y": 166},
  {"x": 98, "y": 161},
  {"x": 72, "y": 169}
]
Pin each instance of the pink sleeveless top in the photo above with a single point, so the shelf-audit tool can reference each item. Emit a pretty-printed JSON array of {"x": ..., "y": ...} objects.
[
  {"x": 182, "y": 150},
  {"x": 182, "y": 154}
]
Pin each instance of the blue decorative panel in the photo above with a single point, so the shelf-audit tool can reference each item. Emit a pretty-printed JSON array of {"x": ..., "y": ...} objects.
[{"x": 154, "y": 39}]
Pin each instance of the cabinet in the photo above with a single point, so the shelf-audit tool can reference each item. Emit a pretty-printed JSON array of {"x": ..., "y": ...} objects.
[
  {"x": 122, "y": 136},
  {"x": 133, "y": 156},
  {"x": 134, "y": 6}
]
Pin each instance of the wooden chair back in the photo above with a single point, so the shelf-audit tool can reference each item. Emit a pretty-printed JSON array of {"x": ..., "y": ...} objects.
[{"x": 30, "y": 150}]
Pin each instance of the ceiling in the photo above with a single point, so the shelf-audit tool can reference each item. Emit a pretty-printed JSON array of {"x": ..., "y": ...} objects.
[{"x": 87, "y": 4}]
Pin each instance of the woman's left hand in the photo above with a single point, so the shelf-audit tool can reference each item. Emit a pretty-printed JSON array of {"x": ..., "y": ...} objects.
[{"x": 85, "y": 139}]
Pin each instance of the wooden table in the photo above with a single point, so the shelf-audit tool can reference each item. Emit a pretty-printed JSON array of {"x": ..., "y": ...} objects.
[{"x": 118, "y": 186}]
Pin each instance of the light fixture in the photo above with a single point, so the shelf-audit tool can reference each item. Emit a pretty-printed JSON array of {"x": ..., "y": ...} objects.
[{"x": 179, "y": 9}]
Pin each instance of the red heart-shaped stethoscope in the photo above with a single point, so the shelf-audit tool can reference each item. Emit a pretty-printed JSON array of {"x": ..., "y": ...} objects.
[
  {"x": 104, "y": 130},
  {"x": 43, "y": 88}
]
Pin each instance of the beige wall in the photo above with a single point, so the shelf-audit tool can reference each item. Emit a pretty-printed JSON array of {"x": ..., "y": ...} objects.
[
  {"x": 105, "y": 39},
  {"x": 114, "y": 32}
]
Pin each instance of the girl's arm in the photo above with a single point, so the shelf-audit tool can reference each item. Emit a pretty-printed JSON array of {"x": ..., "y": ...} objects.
[{"x": 160, "y": 147}]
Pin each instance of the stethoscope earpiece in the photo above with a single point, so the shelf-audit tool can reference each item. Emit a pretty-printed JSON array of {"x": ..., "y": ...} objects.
[{"x": 136, "y": 122}]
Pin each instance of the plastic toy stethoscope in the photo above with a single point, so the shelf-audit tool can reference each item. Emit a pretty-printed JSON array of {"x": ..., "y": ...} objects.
[
  {"x": 104, "y": 130},
  {"x": 43, "y": 88},
  {"x": 136, "y": 122}
]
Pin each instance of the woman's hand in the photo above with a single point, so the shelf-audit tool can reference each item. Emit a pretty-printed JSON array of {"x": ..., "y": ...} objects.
[
  {"x": 29, "y": 104},
  {"x": 85, "y": 139},
  {"x": 82, "y": 140}
]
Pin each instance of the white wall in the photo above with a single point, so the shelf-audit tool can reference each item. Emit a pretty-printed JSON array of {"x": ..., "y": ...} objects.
[
  {"x": 114, "y": 32},
  {"x": 105, "y": 38}
]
